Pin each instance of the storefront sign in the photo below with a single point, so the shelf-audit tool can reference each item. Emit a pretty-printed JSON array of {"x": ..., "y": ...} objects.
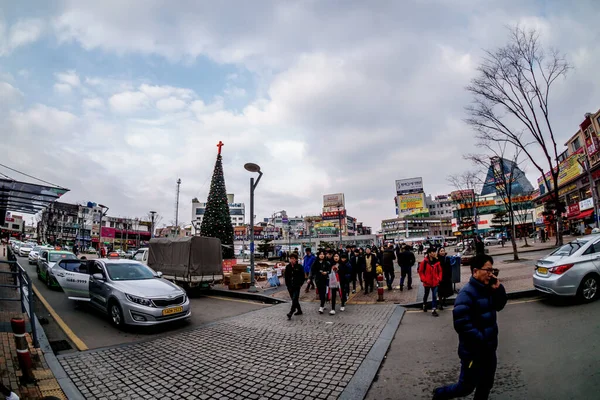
[
  {"x": 228, "y": 264},
  {"x": 463, "y": 195},
  {"x": 486, "y": 203},
  {"x": 334, "y": 215},
  {"x": 573, "y": 210},
  {"x": 567, "y": 189},
  {"x": 591, "y": 144},
  {"x": 586, "y": 204},
  {"x": 410, "y": 185}
]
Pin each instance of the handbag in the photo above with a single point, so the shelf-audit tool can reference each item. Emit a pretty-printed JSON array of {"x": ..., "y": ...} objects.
[{"x": 333, "y": 280}]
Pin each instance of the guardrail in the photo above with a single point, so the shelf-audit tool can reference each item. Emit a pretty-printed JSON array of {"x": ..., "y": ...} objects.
[{"x": 21, "y": 282}]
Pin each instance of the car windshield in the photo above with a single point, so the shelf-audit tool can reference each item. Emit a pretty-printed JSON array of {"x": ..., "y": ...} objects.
[
  {"x": 128, "y": 271},
  {"x": 54, "y": 257},
  {"x": 569, "y": 248},
  {"x": 36, "y": 249},
  {"x": 139, "y": 256}
]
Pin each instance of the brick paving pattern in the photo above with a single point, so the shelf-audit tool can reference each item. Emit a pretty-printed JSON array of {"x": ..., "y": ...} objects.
[{"x": 260, "y": 355}]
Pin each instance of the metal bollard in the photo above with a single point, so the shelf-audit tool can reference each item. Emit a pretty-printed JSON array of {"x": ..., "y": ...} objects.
[
  {"x": 380, "y": 287},
  {"x": 18, "y": 327}
]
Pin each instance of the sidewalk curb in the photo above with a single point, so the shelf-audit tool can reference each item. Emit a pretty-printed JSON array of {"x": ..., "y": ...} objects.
[
  {"x": 511, "y": 296},
  {"x": 361, "y": 382},
  {"x": 247, "y": 296},
  {"x": 65, "y": 383},
  {"x": 526, "y": 250}
]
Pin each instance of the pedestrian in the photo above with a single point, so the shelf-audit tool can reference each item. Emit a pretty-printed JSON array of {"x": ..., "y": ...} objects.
[
  {"x": 345, "y": 275},
  {"x": 474, "y": 315},
  {"x": 369, "y": 274},
  {"x": 334, "y": 281},
  {"x": 406, "y": 260},
  {"x": 479, "y": 245},
  {"x": 430, "y": 273},
  {"x": 387, "y": 263},
  {"x": 421, "y": 248},
  {"x": 358, "y": 268},
  {"x": 307, "y": 263},
  {"x": 320, "y": 270},
  {"x": 445, "y": 289},
  {"x": 294, "y": 279}
]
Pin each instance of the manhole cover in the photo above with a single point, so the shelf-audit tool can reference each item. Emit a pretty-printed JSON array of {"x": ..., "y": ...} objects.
[{"x": 60, "y": 345}]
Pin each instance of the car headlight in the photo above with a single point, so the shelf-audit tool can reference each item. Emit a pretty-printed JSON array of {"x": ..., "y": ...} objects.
[{"x": 139, "y": 300}]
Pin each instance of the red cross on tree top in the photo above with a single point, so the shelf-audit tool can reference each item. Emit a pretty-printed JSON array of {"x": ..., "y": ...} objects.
[{"x": 219, "y": 145}]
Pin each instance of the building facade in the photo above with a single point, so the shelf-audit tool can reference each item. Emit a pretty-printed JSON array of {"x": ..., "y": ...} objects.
[
  {"x": 125, "y": 233},
  {"x": 13, "y": 225},
  {"x": 402, "y": 228},
  {"x": 440, "y": 206}
]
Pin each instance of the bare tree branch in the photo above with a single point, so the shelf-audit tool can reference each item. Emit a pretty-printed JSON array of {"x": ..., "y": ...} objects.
[{"x": 511, "y": 103}]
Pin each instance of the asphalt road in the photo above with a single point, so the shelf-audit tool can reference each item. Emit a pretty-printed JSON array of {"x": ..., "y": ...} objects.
[
  {"x": 95, "y": 330},
  {"x": 548, "y": 350}
]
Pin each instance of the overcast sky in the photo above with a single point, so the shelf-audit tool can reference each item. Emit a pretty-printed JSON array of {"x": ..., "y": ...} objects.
[{"x": 116, "y": 99}]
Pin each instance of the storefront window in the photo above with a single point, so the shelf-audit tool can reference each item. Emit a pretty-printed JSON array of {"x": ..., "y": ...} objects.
[
  {"x": 573, "y": 198},
  {"x": 586, "y": 193}
]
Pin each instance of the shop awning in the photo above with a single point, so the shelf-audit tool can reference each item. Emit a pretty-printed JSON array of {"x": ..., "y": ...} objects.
[
  {"x": 582, "y": 215},
  {"x": 27, "y": 197}
]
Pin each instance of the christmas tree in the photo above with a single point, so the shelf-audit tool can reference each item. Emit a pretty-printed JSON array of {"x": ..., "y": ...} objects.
[{"x": 216, "y": 221}]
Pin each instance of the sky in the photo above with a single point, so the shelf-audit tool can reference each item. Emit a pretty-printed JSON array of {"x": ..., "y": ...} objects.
[{"x": 117, "y": 100}]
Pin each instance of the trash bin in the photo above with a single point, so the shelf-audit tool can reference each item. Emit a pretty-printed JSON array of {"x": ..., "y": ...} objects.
[{"x": 455, "y": 264}]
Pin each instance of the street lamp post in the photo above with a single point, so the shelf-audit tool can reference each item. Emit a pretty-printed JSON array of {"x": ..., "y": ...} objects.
[
  {"x": 250, "y": 167},
  {"x": 152, "y": 213},
  {"x": 103, "y": 213}
]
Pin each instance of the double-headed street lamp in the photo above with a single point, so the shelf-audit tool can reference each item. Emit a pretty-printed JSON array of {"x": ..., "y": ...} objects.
[
  {"x": 251, "y": 167},
  {"x": 102, "y": 215}
]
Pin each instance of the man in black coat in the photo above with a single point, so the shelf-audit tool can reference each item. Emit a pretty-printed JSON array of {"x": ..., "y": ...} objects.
[
  {"x": 294, "y": 279},
  {"x": 387, "y": 263},
  {"x": 406, "y": 260},
  {"x": 474, "y": 317}
]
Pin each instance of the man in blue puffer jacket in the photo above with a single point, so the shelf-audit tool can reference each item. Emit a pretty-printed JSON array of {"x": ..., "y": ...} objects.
[{"x": 474, "y": 317}]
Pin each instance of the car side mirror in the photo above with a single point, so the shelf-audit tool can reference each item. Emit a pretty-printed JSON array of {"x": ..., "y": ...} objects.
[
  {"x": 159, "y": 274},
  {"x": 98, "y": 277}
]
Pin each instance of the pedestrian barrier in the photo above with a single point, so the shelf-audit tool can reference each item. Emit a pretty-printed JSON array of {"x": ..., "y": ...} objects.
[{"x": 21, "y": 282}]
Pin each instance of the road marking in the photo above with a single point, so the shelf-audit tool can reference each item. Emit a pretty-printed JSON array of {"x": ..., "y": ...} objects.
[
  {"x": 70, "y": 334},
  {"x": 236, "y": 300},
  {"x": 509, "y": 303}
]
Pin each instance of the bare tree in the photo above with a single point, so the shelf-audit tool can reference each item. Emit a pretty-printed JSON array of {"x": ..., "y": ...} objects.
[
  {"x": 511, "y": 103},
  {"x": 504, "y": 174}
]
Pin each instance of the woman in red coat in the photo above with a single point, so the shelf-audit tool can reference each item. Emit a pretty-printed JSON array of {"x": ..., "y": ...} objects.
[{"x": 430, "y": 272}]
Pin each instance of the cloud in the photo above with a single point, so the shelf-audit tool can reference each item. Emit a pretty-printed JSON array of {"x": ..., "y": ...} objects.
[
  {"x": 21, "y": 33},
  {"x": 69, "y": 78},
  {"x": 328, "y": 98},
  {"x": 128, "y": 102},
  {"x": 62, "y": 88},
  {"x": 9, "y": 95}
]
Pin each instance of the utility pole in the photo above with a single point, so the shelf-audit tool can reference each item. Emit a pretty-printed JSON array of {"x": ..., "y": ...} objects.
[
  {"x": 177, "y": 209},
  {"x": 152, "y": 213}
]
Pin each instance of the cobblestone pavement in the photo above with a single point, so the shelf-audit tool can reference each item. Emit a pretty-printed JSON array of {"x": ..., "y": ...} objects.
[{"x": 260, "y": 355}]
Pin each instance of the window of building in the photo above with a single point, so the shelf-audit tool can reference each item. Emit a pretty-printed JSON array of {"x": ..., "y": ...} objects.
[
  {"x": 112, "y": 224},
  {"x": 576, "y": 144},
  {"x": 15, "y": 226}
]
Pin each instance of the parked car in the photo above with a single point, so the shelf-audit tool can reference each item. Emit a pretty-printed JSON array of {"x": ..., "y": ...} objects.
[
  {"x": 24, "y": 249},
  {"x": 489, "y": 241},
  {"x": 571, "y": 270},
  {"x": 129, "y": 292},
  {"x": 46, "y": 261}
]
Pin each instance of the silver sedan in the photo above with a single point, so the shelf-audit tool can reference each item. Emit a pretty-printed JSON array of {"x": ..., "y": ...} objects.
[
  {"x": 127, "y": 291},
  {"x": 571, "y": 270}
]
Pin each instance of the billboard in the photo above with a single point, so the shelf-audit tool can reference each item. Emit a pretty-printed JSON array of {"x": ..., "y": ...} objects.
[
  {"x": 334, "y": 215},
  {"x": 410, "y": 185},
  {"x": 411, "y": 201},
  {"x": 462, "y": 195},
  {"x": 568, "y": 170},
  {"x": 334, "y": 200}
]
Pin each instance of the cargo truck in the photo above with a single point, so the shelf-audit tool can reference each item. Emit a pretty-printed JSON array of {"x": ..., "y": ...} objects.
[{"x": 190, "y": 262}]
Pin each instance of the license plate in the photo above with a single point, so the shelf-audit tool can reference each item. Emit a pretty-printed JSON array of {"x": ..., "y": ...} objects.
[
  {"x": 172, "y": 310},
  {"x": 542, "y": 270}
]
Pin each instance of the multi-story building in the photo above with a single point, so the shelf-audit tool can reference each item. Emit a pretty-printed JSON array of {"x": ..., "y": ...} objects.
[
  {"x": 59, "y": 223},
  {"x": 402, "y": 228},
  {"x": 172, "y": 231},
  {"x": 439, "y": 206},
  {"x": 237, "y": 211},
  {"x": 574, "y": 188},
  {"x": 124, "y": 233},
  {"x": 13, "y": 225}
]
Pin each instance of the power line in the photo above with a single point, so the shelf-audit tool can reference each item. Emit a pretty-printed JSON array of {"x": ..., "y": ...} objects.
[{"x": 29, "y": 176}]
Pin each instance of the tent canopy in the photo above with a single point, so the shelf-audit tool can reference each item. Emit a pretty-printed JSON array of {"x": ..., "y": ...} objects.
[{"x": 27, "y": 197}]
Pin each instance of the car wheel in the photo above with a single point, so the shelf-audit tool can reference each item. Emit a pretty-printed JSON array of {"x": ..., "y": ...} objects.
[
  {"x": 588, "y": 289},
  {"x": 37, "y": 271},
  {"x": 115, "y": 313},
  {"x": 48, "y": 281}
]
